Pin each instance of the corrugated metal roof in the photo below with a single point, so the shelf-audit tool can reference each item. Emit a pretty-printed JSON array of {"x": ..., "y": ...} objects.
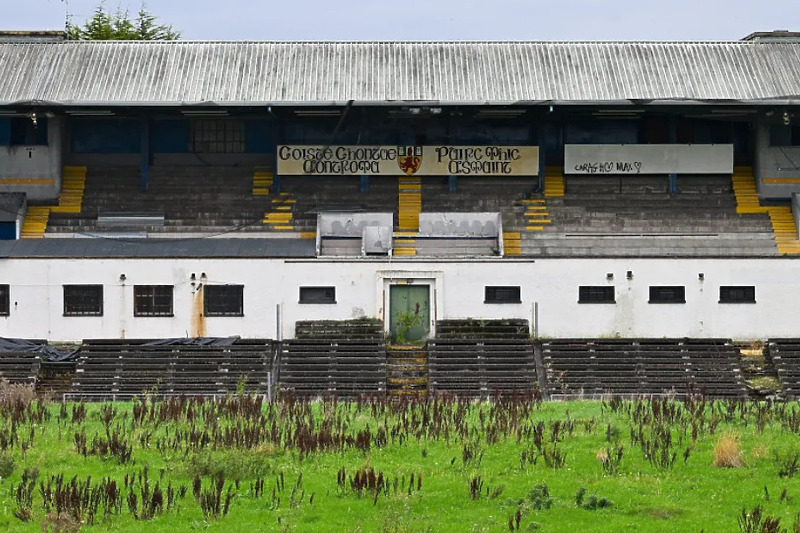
[
  {"x": 157, "y": 248},
  {"x": 269, "y": 73}
]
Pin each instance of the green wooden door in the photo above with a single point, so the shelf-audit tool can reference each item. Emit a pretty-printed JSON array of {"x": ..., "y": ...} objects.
[{"x": 410, "y": 312}]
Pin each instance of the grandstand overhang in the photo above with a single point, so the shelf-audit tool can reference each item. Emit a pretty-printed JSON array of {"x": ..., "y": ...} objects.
[
  {"x": 90, "y": 106},
  {"x": 295, "y": 74}
]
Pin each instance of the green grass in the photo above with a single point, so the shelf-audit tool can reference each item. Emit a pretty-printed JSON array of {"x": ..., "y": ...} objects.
[
  {"x": 768, "y": 383},
  {"x": 691, "y": 496}
]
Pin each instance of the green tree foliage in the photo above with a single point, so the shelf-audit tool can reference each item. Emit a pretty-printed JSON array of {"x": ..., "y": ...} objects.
[{"x": 105, "y": 25}]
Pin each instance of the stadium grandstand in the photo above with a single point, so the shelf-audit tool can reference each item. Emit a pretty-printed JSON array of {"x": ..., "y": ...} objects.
[{"x": 317, "y": 199}]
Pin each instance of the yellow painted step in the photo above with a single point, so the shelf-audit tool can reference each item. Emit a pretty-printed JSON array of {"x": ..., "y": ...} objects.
[{"x": 35, "y": 223}]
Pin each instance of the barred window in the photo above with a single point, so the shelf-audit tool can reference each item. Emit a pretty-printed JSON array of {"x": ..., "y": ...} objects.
[
  {"x": 596, "y": 295},
  {"x": 152, "y": 300},
  {"x": 502, "y": 295},
  {"x": 5, "y": 307},
  {"x": 217, "y": 136},
  {"x": 223, "y": 300},
  {"x": 83, "y": 300},
  {"x": 737, "y": 295},
  {"x": 668, "y": 295},
  {"x": 317, "y": 295}
]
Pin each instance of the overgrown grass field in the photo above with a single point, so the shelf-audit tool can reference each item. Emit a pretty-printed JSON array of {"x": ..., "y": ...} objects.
[{"x": 440, "y": 466}]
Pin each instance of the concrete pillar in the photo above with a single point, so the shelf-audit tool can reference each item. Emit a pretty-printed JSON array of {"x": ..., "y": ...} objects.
[
  {"x": 145, "y": 154},
  {"x": 542, "y": 163},
  {"x": 673, "y": 139}
]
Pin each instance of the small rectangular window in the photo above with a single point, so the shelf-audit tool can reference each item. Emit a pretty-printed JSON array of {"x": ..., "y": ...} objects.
[
  {"x": 596, "y": 295},
  {"x": 668, "y": 295},
  {"x": 737, "y": 295},
  {"x": 5, "y": 308},
  {"x": 317, "y": 295},
  {"x": 152, "y": 300},
  {"x": 502, "y": 295},
  {"x": 223, "y": 300},
  {"x": 83, "y": 300}
]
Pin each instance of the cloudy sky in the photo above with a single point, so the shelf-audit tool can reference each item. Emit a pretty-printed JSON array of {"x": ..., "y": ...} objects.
[{"x": 434, "y": 19}]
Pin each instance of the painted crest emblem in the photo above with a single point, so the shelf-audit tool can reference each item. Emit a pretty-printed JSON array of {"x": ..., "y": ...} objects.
[{"x": 409, "y": 158}]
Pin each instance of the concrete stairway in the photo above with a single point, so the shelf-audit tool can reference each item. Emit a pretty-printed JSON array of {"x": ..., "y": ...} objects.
[
  {"x": 785, "y": 230},
  {"x": 409, "y": 203},
  {"x": 70, "y": 200},
  {"x": 553, "y": 182},
  {"x": 73, "y": 184},
  {"x": 537, "y": 216},
  {"x": 512, "y": 243},
  {"x": 262, "y": 182},
  {"x": 279, "y": 216},
  {"x": 36, "y": 220},
  {"x": 781, "y": 218},
  {"x": 406, "y": 371}
]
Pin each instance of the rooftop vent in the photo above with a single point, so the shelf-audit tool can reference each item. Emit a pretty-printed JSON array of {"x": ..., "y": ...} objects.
[
  {"x": 774, "y": 36},
  {"x": 44, "y": 36}
]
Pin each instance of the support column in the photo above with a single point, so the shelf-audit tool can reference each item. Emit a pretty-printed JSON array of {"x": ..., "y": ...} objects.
[
  {"x": 276, "y": 177},
  {"x": 453, "y": 184},
  {"x": 364, "y": 187},
  {"x": 673, "y": 139},
  {"x": 145, "y": 154},
  {"x": 542, "y": 163}
]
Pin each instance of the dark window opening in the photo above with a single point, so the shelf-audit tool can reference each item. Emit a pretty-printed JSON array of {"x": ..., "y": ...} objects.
[
  {"x": 596, "y": 295},
  {"x": 784, "y": 135},
  {"x": 317, "y": 295},
  {"x": 83, "y": 300},
  {"x": 502, "y": 295},
  {"x": 152, "y": 300},
  {"x": 655, "y": 130},
  {"x": 668, "y": 295},
  {"x": 5, "y": 307},
  {"x": 737, "y": 295},
  {"x": 223, "y": 300},
  {"x": 25, "y": 133},
  {"x": 217, "y": 136}
]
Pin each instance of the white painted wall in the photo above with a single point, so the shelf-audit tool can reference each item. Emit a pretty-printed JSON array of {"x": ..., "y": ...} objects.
[
  {"x": 39, "y": 163},
  {"x": 37, "y": 295}
]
